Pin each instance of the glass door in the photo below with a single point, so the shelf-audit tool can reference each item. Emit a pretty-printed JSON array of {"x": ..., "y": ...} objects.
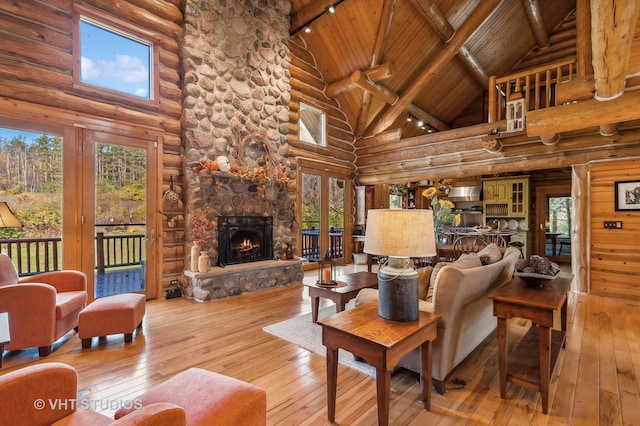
[
  {"x": 323, "y": 211},
  {"x": 554, "y": 223},
  {"x": 121, "y": 226}
]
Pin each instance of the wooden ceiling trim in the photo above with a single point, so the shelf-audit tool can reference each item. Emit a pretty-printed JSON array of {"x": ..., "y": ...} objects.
[
  {"x": 612, "y": 24},
  {"x": 534, "y": 14},
  {"x": 450, "y": 49},
  {"x": 439, "y": 23},
  {"x": 382, "y": 36}
]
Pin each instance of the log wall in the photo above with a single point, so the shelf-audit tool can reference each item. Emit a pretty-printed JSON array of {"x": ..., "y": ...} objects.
[
  {"x": 614, "y": 257},
  {"x": 36, "y": 68},
  {"x": 308, "y": 85}
]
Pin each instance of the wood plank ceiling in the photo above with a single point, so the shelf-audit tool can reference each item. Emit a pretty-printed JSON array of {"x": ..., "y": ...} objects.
[
  {"x": 385, "y": 59},
  {"x": 438, "y": 54}
]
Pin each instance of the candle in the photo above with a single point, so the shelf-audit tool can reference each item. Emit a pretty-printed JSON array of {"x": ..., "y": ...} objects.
[{"x": 327, "y": 276}]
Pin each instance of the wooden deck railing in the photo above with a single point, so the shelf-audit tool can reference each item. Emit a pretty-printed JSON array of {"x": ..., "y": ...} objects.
[
  {"x": 537, "y": 85},
  {"x": 311, "y": 244},
  {"x": 35, "y": 255}
]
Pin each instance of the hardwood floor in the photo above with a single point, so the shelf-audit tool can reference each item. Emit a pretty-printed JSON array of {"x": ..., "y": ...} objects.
[{"x": 595, "y": 381}]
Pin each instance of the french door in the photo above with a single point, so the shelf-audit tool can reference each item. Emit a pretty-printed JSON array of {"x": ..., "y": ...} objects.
[
  {"x": 88, "y": 204},
  {"x": 325, "y": 229},
  {"x": 119, "y": 233}
]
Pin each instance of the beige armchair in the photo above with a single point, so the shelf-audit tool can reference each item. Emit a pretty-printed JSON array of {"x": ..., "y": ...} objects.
[{"x": 42, "y": 308}]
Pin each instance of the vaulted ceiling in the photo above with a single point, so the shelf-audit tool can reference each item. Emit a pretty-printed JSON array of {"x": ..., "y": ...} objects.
[
  {"x": 430, "y": 58},
  {"x": 384, "y": 60}
]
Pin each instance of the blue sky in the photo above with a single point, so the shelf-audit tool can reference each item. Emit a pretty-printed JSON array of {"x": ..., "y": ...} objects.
[
  {"x": 114, "y": 61},
  {"x": 9, "y": 134}
]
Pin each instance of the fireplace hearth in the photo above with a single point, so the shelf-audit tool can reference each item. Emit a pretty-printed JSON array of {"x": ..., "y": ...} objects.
[{"x": 243, "y": 239}]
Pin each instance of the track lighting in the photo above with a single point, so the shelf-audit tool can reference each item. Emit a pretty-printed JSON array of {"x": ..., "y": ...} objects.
[
  {"x": 306, "y": 27},
  {"x": 420, "y": 123}
]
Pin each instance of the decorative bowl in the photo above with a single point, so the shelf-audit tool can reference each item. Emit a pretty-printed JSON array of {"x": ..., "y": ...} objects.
[
  {"x": 534, "y": 279},
  {"x": 483, "y": 230}
]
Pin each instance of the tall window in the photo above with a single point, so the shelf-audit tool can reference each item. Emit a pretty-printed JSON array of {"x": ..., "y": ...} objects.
[
  {"x": 114, "y": 59},
  {"x": 312, "y": 125}
]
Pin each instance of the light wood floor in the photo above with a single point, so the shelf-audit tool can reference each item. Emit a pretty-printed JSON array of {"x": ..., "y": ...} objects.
[{"x": 595, "y": 381}]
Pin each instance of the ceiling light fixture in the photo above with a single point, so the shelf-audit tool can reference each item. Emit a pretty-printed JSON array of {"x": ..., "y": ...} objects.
[
  {"x": 306, "y": 27},
  {"x": 421, "y": 123}
]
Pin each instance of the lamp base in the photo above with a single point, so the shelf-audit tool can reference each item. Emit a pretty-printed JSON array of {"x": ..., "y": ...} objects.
[{"x": 398, "y": 291}]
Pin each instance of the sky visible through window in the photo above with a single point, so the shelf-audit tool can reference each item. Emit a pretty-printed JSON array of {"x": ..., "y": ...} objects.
[{"x": 113, "y": 61}]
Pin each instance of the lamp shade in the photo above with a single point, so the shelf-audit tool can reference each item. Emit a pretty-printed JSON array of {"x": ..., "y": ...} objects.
[
  {"x": 7, "y": 218},
  {"x": 400, "y": 233}
]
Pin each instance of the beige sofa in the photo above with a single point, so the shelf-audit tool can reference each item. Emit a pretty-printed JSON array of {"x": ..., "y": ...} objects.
[{"x": 458, "y": 291}]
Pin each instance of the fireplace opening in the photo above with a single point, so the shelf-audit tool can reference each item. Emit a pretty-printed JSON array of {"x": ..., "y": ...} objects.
[{"x": 244, "y": 239}]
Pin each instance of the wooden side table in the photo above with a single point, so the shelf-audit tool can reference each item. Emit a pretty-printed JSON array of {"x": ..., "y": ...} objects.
[
  {"x": 381, "y": 343},
  {"x": 348, "y": 287},
  {"x": 525, "y": 366},
  {"x": 5, "y": 336}
]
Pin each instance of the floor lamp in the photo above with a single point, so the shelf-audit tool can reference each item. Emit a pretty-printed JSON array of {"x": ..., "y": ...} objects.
[{"x": 399, "y": 234}]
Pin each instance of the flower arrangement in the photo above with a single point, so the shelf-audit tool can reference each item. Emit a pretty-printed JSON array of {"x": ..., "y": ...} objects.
[
  {"x": 397, "y": 190},
  {"x": 203, "y": 227},
  {"x": 443, "y": 216}
]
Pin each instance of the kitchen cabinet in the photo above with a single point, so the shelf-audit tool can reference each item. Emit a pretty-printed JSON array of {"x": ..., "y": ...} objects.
[{"x": 506, "y": 203}]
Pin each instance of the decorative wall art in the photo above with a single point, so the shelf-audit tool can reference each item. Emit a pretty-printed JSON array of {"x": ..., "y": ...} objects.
[{"x": 627, "y": 195}]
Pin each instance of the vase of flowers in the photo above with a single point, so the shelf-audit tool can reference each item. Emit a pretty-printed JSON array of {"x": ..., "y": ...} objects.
[
  {"x": 396, "y": 192},
  {"x": 443, "y": 215},
  {"x": 203, "y": 231}
]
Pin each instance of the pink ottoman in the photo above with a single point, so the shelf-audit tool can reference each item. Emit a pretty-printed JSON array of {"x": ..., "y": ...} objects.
[
  {"x": 209, "y": 398},
  {"x": 120, "y": 313}
]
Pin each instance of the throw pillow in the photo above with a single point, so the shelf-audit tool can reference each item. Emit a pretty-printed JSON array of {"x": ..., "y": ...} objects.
[
  {"x": 424, "y": 276},
  {"x": 491, "y": 252},
  {"x": 466, "y": 261}
]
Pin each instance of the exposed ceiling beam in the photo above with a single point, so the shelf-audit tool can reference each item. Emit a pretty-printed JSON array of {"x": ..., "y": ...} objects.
[
  {"x": 449, "y": 50},
  {"x": 382, "y": 36},
  {"x": 612, "y": 26},
  {"x": 439, "y": 23},
  {"x": 534, "y": 14}
]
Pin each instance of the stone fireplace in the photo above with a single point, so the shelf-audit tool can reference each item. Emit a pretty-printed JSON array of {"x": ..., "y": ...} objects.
[{"x": 235, "y": 123}]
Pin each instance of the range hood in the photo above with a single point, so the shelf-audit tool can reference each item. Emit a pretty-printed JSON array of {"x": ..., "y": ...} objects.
[{"x": 465, "y": 193}]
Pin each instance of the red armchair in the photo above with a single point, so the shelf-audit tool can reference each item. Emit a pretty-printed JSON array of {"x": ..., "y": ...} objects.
[
  {"x": 42, "y": 308},
  {"x": 45, "y": 394}
]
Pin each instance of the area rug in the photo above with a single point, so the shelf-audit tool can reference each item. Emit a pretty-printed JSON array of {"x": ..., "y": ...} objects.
[{"x": 303, "y": 332}]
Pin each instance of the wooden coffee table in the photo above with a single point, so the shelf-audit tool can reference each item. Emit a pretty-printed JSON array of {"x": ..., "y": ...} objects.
[
  {"x": 347, "y": 288},
  {"x": 381, "y": 343}
]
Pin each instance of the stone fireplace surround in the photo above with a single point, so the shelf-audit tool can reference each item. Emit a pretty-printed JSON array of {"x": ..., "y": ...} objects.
[{"x": 234, "y": 57}]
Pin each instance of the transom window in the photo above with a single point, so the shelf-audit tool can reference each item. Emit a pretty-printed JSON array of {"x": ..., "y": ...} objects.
[
  {"x": 312, "y": 125},
  {"x": 114, "y": 59}
]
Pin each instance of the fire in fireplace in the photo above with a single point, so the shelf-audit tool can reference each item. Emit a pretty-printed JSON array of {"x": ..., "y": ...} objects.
[{"x": 244, "y": 239}]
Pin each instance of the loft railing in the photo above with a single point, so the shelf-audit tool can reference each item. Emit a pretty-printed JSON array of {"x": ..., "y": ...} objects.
[
  {"x": 537, "y": 85},
  {"x": 35, "y": 255}
]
